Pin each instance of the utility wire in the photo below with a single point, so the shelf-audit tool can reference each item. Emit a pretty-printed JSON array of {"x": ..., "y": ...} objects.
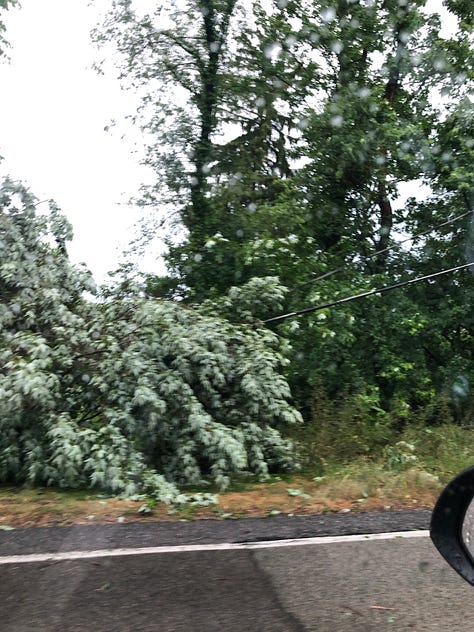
[
  {"x": 380, "y": 252},
  {"x": 387, "y": 288}
]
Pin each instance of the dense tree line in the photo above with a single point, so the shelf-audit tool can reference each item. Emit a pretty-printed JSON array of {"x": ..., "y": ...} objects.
[{"x": 298, "y": 124}]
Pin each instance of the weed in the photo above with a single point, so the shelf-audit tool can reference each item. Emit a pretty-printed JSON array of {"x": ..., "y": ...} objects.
[
  {"x": 341, "y": 430},
  {"x": 148, "y": 506},
  {"x": 400, "y": 456}
]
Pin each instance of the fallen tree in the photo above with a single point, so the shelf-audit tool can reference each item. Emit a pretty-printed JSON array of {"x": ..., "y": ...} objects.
[{"x": 109, "y": 388}]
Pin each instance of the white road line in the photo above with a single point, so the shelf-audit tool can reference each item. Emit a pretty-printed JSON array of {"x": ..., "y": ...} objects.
[{"x": 187, "y": 548}]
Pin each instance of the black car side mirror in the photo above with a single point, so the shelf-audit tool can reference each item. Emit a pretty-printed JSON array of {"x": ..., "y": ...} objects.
[{"x": 452, "y": 524}]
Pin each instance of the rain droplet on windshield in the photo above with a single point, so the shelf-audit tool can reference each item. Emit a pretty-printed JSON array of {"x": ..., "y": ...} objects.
[{"x": 328, "y": 14}]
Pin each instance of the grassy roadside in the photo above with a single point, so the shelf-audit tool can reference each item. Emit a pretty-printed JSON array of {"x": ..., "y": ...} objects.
[
  {"x": 408, "y": 474},
  {"x": 296, "y": 495},
  {"x": 360, "y": 487}
]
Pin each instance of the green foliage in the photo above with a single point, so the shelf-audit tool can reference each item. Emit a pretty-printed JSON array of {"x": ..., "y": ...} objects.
[
  {"x": 444, "y": 450},
  {"x": 296, "y": 126},
  {"x": 123, "y": 392},
  {"x": 400, "y": 456},
  {"x": 339, "y": 430},
  {"x": 349, "y": 90},
  {"x": 259, "y": 298},
  {"x": 218, "y": 56}
]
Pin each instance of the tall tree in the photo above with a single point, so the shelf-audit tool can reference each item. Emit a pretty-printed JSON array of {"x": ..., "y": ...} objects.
[
  {"x": 224, "y": 151},
  {"x": 369, "y": 127},
  {"x": 389, "y": 107}
]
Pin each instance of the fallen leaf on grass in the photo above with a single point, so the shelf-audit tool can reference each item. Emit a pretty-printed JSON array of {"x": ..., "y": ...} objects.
[{"x": 297, "y": 492}]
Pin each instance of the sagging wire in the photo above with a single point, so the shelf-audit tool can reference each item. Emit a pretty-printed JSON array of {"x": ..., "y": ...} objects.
[
  {"x": 325, "y": 275},
  {"x": 347, "y": 299}
]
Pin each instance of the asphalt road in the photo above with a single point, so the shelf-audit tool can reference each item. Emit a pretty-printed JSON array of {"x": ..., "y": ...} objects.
[
  {"x": 393, "y": 584},
  {"x": 51, "y": 539}
]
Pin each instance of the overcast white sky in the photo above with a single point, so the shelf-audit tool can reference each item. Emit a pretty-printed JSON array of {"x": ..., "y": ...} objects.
[{"x": 53, "y": 111}]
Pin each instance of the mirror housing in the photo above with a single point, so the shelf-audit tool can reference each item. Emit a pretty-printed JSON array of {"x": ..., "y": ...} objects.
[{"x": 446, "y": 529}]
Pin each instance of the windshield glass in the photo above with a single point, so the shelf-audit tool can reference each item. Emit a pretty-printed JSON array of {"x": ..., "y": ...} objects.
[{"x": 236, "y": 265}]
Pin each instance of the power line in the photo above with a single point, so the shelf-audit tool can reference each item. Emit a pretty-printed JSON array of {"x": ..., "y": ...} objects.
[
  {"x": 380, "y": 252},
  {"x": 347, "y": 299}
]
